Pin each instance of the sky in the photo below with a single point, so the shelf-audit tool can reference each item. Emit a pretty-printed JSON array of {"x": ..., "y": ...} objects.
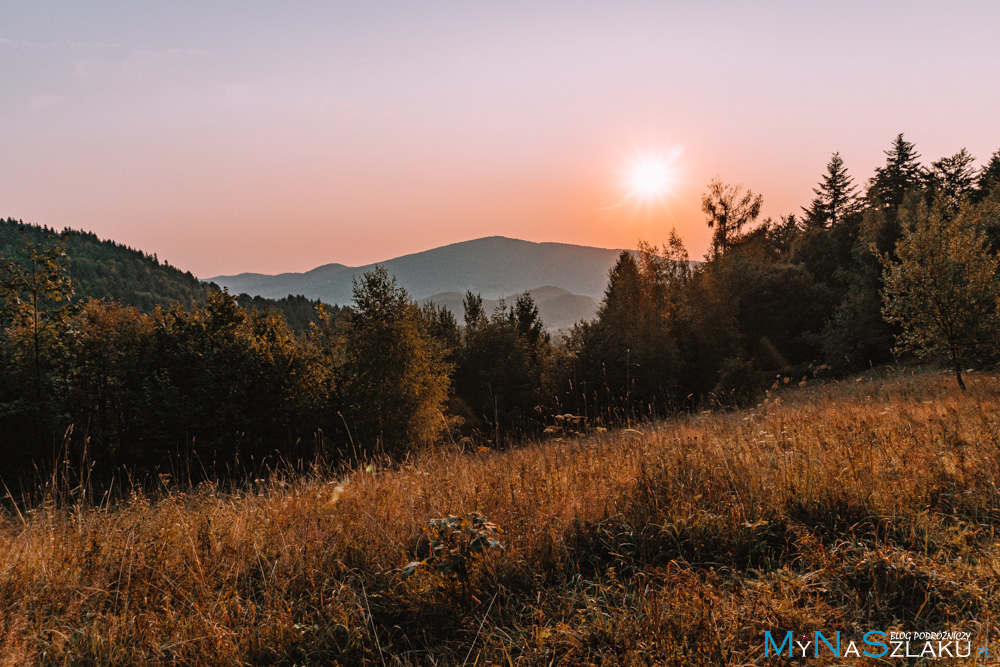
[{"x": 278, "y": 136}]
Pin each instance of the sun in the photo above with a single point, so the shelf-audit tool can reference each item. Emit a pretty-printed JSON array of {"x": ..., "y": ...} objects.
[
  {"x": 649, "y": 179},
  {"x": 652, "y": 177}
]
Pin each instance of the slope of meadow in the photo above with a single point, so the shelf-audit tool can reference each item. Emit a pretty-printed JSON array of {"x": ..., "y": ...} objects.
[{"x": 863, "y": 505}]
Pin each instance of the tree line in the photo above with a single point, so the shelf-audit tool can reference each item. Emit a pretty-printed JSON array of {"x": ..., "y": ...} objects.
[{"x": 906, "y": 264}]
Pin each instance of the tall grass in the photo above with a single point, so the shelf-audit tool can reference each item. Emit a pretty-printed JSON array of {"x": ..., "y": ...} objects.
[{"x": 864, "y": 505}]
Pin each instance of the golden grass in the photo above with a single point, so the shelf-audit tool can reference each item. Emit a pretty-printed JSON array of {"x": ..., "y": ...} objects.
[{"x": 852, "y": 506}]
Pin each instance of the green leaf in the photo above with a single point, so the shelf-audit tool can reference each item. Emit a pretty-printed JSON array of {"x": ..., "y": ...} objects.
[{"x": 410, "y": 568}]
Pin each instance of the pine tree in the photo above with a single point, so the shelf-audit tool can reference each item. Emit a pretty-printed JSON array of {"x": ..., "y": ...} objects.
[
  {"x": 623, "y": 295},
  {"x": 902, "y": 172},
  {"x": 953, "y": 177},
  {"x": 475, "y": 315},
  {"x": 529, "y": 323},
  {"x": 499, "y": 374},
  {"x": 988, "y": 179},
  {"x": 836, "y": 196},
  {"x": 628, "y": 353}
]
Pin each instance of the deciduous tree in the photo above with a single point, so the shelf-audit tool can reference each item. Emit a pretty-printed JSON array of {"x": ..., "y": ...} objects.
[
  {"x": 35, "y": 292},
  {"x": 395, "y": 378},
  {"x": 729, "y": 209},
  {"x": 943, "y": 289}
]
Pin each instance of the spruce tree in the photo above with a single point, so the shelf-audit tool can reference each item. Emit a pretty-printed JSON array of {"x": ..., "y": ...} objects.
[
  {"x": 498, "y": 376},
  {"x": 628, "y": 353},
  {"x": 953, "y": 177},
  {"x": 989, "y": 176},
  {"x": 835, "y": 198},
  {"x": 902, "y": 172}
]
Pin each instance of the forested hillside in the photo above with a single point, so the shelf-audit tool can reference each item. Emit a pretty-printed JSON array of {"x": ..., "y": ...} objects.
[{"x": 108, "y": 270}]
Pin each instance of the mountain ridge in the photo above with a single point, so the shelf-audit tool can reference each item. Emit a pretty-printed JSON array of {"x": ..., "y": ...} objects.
[{"x": 492, "y": 266}]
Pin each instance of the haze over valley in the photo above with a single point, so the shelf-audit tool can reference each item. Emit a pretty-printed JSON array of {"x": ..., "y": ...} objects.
[{"x": 566, "y": 280}]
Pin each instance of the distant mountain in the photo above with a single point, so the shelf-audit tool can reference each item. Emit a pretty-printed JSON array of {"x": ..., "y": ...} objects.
[
  {"x": 493, "y": 267},
  {"x": 558, "y": 308}
]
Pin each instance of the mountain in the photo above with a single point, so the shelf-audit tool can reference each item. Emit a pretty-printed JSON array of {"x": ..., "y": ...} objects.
[
  {"x": 493, "y": 267},
  {"x": 558, "y": 308}
]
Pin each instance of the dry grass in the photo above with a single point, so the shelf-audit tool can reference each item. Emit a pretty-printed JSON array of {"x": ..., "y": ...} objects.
[{"x": 869, "y": 504}]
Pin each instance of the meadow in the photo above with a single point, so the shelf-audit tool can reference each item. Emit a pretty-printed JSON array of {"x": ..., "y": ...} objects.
[{"x": 869, "y": 503}]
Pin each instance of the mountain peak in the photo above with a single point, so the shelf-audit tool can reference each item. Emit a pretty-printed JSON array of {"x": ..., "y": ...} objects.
[{"x": 493, "y": 266}]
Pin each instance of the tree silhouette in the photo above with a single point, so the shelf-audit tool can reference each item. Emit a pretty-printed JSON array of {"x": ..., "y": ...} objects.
[
  {"x": 835, "y": 198},
  {"x": 989, "y": 176},
  {"x": 953, "y": 177},
  {"x": 500, "y": 369},
  {"x": 729, "y": 209},
  {"x": 627, "y": 356},
  {"x": 902, "y": 172}
]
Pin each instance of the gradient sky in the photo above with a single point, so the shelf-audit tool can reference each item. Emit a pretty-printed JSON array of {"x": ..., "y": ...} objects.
[{"x": 267, "y": 136}]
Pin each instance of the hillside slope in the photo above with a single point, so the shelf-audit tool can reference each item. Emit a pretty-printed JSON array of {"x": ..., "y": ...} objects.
[
  {"x": 108, "y": 270},
  {"x": 493, "y": 267},
  {"x": 104, "y": 269}
]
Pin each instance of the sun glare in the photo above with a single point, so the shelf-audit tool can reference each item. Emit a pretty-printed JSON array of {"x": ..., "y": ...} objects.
[{"x": 652, "y": 177}]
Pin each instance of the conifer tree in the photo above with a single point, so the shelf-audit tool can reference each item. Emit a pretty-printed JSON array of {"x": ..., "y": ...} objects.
[
  {"x": 623, "y": 295},
  {"x": 835, "y": 198},
  {"x": 529, "y": 323},
  {"x": 988, "y": 179},
  {"x": 499, "y": 373},
  {"x": 475, "y": 314},
  {"x": 953, "y": 177},
  {"x": 902, "y": 172},
  {"x": 628, "y": 354}
]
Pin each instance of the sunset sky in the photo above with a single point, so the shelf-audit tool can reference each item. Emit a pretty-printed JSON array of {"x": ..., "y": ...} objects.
[{"x": 268, "y": 137}]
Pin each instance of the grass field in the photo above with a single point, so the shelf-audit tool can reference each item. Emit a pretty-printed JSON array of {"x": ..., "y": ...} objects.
[{"x": 868, "y": 504}]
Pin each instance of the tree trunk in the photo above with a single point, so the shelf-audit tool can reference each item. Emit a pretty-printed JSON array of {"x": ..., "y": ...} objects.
[{"x": 958, "y": 376}]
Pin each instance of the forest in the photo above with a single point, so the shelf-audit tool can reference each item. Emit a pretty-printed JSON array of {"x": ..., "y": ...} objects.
[{"x": 109, "y": 367}]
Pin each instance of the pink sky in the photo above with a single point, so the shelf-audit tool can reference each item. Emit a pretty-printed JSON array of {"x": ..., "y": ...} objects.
[{"x": 253, "y": 136}]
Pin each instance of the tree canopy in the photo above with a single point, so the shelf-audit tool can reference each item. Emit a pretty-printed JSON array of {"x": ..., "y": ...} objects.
[
  {"x": 943, "y": 291},
  {"x": 728, "y": 209}
]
